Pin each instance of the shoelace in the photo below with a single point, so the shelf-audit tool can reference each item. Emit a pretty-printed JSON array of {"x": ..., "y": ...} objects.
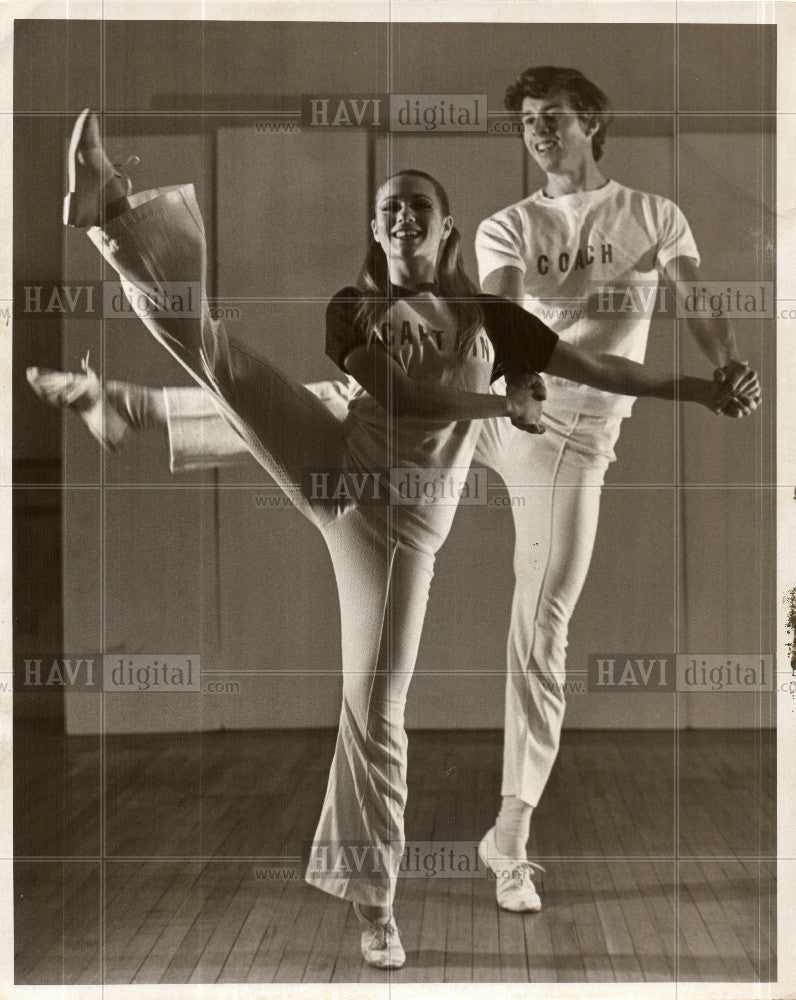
[
  {"x": 371, "y": 923},
  {"x": 526, "y": 868},
  {"x": 121, "y": 168},
  {"x": 379, "y": 936}
]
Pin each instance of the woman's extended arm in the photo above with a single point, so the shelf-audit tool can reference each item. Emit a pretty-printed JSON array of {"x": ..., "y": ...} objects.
[
  {"x": 378, "y": 374},
  {"x": 626, "y": 377}
]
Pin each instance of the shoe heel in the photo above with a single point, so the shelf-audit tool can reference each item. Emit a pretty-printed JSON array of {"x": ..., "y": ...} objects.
[
  {"x": 71, "y": 165},
  {"x": 67, "y": 215}
]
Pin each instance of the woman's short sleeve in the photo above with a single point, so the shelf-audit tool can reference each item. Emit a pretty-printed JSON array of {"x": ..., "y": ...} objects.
[
  {"x": 343, "y": 333},
  {"x": 523, "y": 343}
]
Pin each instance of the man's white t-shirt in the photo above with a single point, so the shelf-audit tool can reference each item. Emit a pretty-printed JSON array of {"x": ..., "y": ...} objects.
[{"x": 590, "y": 263}]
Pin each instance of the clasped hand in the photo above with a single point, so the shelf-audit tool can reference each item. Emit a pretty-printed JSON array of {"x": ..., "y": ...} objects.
[
  {"x": 525, "y": 398},
  {"x": 736, "y": 389}
]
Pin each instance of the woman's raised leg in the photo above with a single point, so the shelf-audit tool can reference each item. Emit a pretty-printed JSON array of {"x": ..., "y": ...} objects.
[{"x": 158, "y": 249}]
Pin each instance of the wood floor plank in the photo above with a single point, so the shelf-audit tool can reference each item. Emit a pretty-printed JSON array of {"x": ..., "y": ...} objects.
[
  {"x": 251, "y": 934},
  {"x": 298, "y": 946},
  {"x": 65, "y": 892},
  {"x": 459, "y": 938},
  {"x": 631, "y": 881},
  {"x": 459, "y": 941},
  {"x": 276, "y": 936},
  {"x": 430, "y": 902},
  {"x": 737, "y": 966},
  {"x": 123, "y": 967},
  {"x": 513, "y": 957},
  {"x": 658, "y": 898},
  {"x": 539, "y": 954},
  {"x": 79, "y": 941},
  {"x": 177, "y": 926},
  {"x": 328, "y": 941},
  {"x": 617, "y": 936},
  {"x": 228, "y": 924},
  {"x": 588, "y": 926},
  {"x": 348, "y": 967},
  {"x": 748, "y": 906},
  {"x": 216, "y": 898},
  {"x": 564, "y": 940},
  {"x": 431, "y": 953},
  {"x": 127, "y": 911},
  {"x": 699, "y": 957},
  {"x": 486, "y": 932}
]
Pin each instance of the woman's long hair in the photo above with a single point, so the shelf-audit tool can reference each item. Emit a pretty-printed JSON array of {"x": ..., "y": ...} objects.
[{"x": 453, "y": 283}]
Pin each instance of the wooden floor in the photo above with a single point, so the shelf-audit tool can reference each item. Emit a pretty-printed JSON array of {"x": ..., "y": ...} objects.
[{"x": 184, "y": 864}]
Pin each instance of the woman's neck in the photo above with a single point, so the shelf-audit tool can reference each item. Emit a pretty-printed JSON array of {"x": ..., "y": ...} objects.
[{"x": 410, "y": 274}]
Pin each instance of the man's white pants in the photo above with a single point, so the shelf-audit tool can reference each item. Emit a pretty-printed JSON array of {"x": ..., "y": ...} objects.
[{"x": 554, "y": 481}]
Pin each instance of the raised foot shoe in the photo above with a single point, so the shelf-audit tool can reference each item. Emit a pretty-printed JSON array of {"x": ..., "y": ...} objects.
[
  {"x": 515, "y": 890},
  {"x": 81, "y": 391},
  {"x": 89, "y": 172},
  {"x": 381, "y": 944}
]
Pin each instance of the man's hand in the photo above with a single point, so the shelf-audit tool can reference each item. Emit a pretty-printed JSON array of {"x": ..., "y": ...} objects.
[
  {"x": 525, "y": 396},
  {"x": 736, "y": 389},
  {"x": 528, "y": 380}
]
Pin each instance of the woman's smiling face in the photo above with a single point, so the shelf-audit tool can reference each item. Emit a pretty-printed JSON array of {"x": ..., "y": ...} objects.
[{"x": 409, "y": 220}]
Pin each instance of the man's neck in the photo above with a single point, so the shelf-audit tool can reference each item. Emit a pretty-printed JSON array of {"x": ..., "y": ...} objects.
[{"x": 586, "y": 178}]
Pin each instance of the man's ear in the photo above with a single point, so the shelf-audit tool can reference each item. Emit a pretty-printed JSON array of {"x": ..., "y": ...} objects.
[{"x": 373, "y": 229}]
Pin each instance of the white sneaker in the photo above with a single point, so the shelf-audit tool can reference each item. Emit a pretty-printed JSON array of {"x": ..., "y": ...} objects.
[
  {"x": 82, "y": 392},
  {"x": 381, "y": 944},
  {"x": 515, "y": 890}
]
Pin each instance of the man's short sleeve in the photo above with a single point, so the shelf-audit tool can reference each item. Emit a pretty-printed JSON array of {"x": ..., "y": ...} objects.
[
  {"x": 675, "y": 238},
  {"x": 343, "y": 333},
  {"x": 498, "y": 243}
]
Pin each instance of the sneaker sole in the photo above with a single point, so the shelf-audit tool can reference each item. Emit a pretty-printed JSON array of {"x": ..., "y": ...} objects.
[
  {"x": 71, "y": 164},
  {"x": 389, "y": 963}
]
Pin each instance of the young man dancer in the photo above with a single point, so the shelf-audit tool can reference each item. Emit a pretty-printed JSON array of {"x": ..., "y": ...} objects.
[{"x": 552, "y": 253}]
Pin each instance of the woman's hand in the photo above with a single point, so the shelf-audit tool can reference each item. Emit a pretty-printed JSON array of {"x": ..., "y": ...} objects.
[{"x": 524, "y": 404}]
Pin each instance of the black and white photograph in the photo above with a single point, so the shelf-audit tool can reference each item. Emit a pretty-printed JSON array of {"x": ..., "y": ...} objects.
[{"x": 397, "y": 591}]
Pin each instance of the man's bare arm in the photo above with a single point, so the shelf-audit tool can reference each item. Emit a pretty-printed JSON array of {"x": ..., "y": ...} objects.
[{"x": 737, "y": 385}]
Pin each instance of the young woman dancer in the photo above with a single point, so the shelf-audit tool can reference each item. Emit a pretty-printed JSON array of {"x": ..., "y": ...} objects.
[{"x": 423, "y": 348}]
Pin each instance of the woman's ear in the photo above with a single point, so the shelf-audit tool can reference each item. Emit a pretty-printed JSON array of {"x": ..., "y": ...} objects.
[
  {"x": 374, "y": 230},
  {"x": 445, "y": 242}
]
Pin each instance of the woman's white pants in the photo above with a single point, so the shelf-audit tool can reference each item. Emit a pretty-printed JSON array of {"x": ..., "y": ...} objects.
[{"x": 383, "y": 573}]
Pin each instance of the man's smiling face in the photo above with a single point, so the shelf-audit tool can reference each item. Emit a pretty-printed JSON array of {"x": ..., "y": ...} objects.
[{"x": 554, "y": 135}]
